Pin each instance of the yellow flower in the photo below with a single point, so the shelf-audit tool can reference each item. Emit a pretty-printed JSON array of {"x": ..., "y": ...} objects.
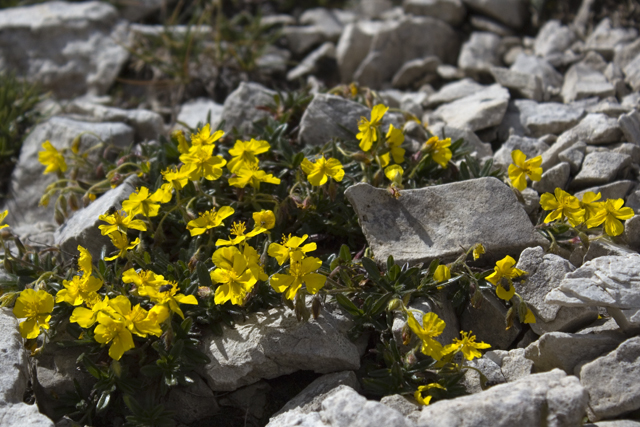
[
  {"x": 394, "y": 174},
  {"x": 163, "y": 194},
  {"x": 432, "y": 326},
  {"x": 234, "y": 274},
  {"x": 301, "y": 270},
  {"x": 120, "y": 221},
  {"x": 290, "y": 245},
  {"x": 369, "y": 128},
  {"x": 244, "y": 154},
  {"x": 425, "y": 400},
  {"x": 170, "y": 298},
  {"x": 238, "y": 229},
  {"x": 395, "y": 138},
  {"x": 86, "y": 317},
  {"x": 52, "y": 159},
  {"x": 467, "y": 345},
  {"x": 442, "y": 273},
  {"x": 264, "y": 219},
  {"x": 138, "y": 320},
  {"x": 36, "y": 307},
  {"x": 121, "y": 242},
  {"x": 319, "y": 172},
  {"x": 478, "y": 250},
  {"x": 139, "y": 202},
  {"x": 147, "y": 282},
  {"x": 203, "y": 163},
  {"x": 183, "y": 145},
  {"x": 178, "y": 178},
  {"x": 208, "y": 220},
  {"x": 252, "y": 176},
  {"x": 590, "y": 205},
  {"x": 501, "y": 277},
  {"x": 612, "y": 211},
  {"x": 114, "y": 332},
  {"x": 439, "y": 150},
  {"x": 529, "y": 317},
  {"x": 80, "y": 289},
  {"x": 85, "y": 262},
  {"x": 205, "y": 137},
  {"x": 521, "y": 168},
  {"x": 3, "y": 215},
  {"x": 562, "y": 204}
]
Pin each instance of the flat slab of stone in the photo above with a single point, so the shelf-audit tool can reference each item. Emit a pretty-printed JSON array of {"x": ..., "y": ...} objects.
[
  {"x": 454, "y": 91},
  {"x": 196, "y": 111},
  {"x": 548, "y": 117},
  {"x": 241, "y": 108},
  {"x": 481, "y": 110},
  {"x": 600, "y": 168},
  {"x": 435, "y": 222}
]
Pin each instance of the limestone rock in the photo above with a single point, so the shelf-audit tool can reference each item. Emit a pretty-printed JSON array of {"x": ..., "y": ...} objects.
[
  {"x": 330, "y": 116},
  {"x": 326, "y": 20},
  {"x": 302, "y": 39},
  {"x": 581, "y": 82},
  {"x": 354, "y": 45},
  {"x": 630, "y": 126},
  {"x": 488, "y": 368},
  {"x": 71, "y": 48},
  {"x": 273, "y": 343},
  {"x": 534, "y": 65},
  {"x": 551, "y": 399},
  {"x": 553, "y": 39},
  {"x": 526, "y": 85},
  {"x": 510, "y": 12},
  {"x": 415, "y": 70},
  {"x": 479, "y": 53},
  {"x": 434, "y": 222},
  {"x": 574, "y": 156},
  {"x": 532, "y": 147},
  {"x": 632, "y": 73},
  {"x": 556, "y": 177},
  {"x": 196, "y": 112},
  {"x": 473, "y": 143},
  {"x": 611, "y": 381},
  {"x": 515, "y": 365},
  {"x": 615, "y": 190},
  {"x": 481, "y": 110},
  {"x": 321, "y": 60},
  {"x": 450, "y": 11},
  {"x": 604, "y": 38},
  {"x": 600, "y": 168},
  {"x": 403, "y": 404},
  {"x": 193, "y": 402},
  {"x": 241, "y": 107},
  {"x": 487, "y": 322},
  {"x": 14, "y": 364},
  {"x": 454, "y": 91},
  {"x": 547, "y": 118},
  {"x": 21, "y": 414}
]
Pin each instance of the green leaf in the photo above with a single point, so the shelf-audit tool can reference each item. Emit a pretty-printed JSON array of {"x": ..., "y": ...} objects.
[
  {"x": 372, "y": 269},
  {"x": 380, "y": 305},
  {"x": 348, "y": 305},
  {"x": 203, "y": 275},
  {"x": 345, "y": 254},
  {"x": 103, "y": 402},
  {"x": 390, "y": 263}
]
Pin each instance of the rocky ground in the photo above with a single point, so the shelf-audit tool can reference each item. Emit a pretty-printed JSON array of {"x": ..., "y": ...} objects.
[{"x": 556, "y": 79}]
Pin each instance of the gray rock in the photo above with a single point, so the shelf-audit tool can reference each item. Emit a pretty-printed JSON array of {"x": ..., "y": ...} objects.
[
  {"x": 326, "y": 20},
  {"x": 611, "y": 381},
  {"x": 82, "y": 227},
  {"x": 473, "y": 143},
  {"x": 626, "y": 53},
  {"x": 273, "y": 60},
  {"x": 404, "y": 40},
  {"x": 481, "y": 110},
  {"x": 630, "y": 126},
  {"x": 330, "y": 116},
  {"x": 607, "y": 281},
  {"x": 300, "y": 40},
  {"x": 633, "y": 201},
  {"x": 449, "y": 72},
  {"x": 273, "y": 343},
  {"x": 318, "y": 60},
  {"x": 450, "y": 11},
  {"x": 146, "y": 124},
  {"x": 581, "y": 82},
  {"x": 568, "y": 351},
  {"x": 547, "y": 118},
  {"x": 241, "y": 107},
  {"x": 510, "y": 12},
  {"x": 252, "y": 399},
  {"x": 14, "y": 364},
  {"x": 135, "y": 10},
  {"x": 354, "y": 45},
  {"x": 193, "y": 402},
  {"x": 610, "y": 107},
  {"x": 574, "y": 156},
  {"x": 479, "y": 53},
  {"x": 615, "y": 190},
  {"x": 605, "y": 324},
  {"x": 489, "y": 369},
  {"x": 435, "y": 222},
  {"x": 488, "y": 324},
  {"x": 532, "y": 147},
  {"x": 196, "y": 111},
  {"x": 530, "y": 64},
  {"x": 601, "y": 248},
  {"x": 544, "y": 272},
  {"x": 454, "y": 91},
  {"x": 21, "y": 414},
  {"x": 600, "y": 168},
  {"x": 604, "y": 38},
  {"x": 614, "y": 423},
  {"x": 400, "y": 403},
  {"x": 632, "y": 73},
  {"x": 632, "y": 232},
  {"x": 551, "y": 399},
  {"x": 70, "y": 48},
  {"x": 553, "y": 39},
  {"x": 515, "y": 365},
  {"x": 28, "y": 183},
  {"x": 310, "y": 399},
  {"x": 416, "y": 70},
  {"x": 556, "y": 177},
  {"x": 347, "y": 408},
  {"x": 481, "y": 23},
  {"x": 374, "y": 8},
  {"x": 525, "y": 85}
]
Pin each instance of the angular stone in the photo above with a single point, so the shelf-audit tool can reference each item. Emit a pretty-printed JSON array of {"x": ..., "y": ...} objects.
[
  {"x": 404, "y": 40},
  {"x": 556, "y": 177},
  {"x": 604, "y": 38},
  {"x": 615, "y": 190},
  {"x": 510, "y": 12},
  {"x": 415, "y": 70},
  {"x": 632, "y": 232},
  {"x": 607, "y": 281},
  {"x": 450, "y": 11},
  {"x": 630, "y": 126},
  {"x": 321, "y": 61},
  {"x": 70, "y": 48},
  {"x": 196, "y": 111},
  {"x": 481, "y": 23},
  {"x": 551, "y": 399},
  {"x": 530, "y": 64},
  {"x": 21, "y": 414},
  {"x": 581, "y": 82},
  {"x": 526, "y": 85},
  {"x": 348, "y": 408},
  {"x": 354, "y": 45},
  {"x": 488, "y": 324},
  {"x": 251, "y": 400},
  {"x": 609, "y": 107},
  {"x": 300, "y": 40},
  {"x": 273, "y": 343},
  {"x": 273, "y": 60},
  {"x": 515, "y": 365},
  {"x": 547, "y": 118},
  {"x": 435, "y": 222},
  {"x": 473, "y": 143},
  {"x": 330, "y": 116},
  {"x": 449, "y": 72},
  {"x": 614, "y": 423},
  {"x": 625, "y": 54},
  {"x": 553, "y": 39},
  {"x": 488, "y": 368},
  {"x": 632, "y": 73},
  {"x": 481, "y": 110},
  {"x": 479, "y": 53},
  {"x": 326, "y": 20},
  {"x": 28, "y": 183},
  {"x": 600, "y": 168},
  {"x": 403, "y": 404},
  {"x": 611, "y": 381},
  {"x": 532, "y": 147},
  {"x": 574, "y": 156},
  {"x": 193, "y": 402},
  {"x": 82, "y": 227},
  {"x": 241, "y": 107},
  {"x": 568, "y": 351},
  {"x": 14, "y": 364},
  {"x": 454, "y": 91}
]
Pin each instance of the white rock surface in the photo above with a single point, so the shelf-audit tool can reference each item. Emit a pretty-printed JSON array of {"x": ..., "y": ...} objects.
[
  {"x": 600, "y": 168},
  {"x": 481, "y": 110},
  {"x": 525, "y": 85},
  {"x": 479, "y": 53},
  {"x": 553, "y": 39},
  {"x": 195, "y": 112},
  {"x": 454, "y": 91},
  {"x": 630, "y": 126},
  {"x": 240, "y": 109},
  {"x": 604, "y": 38},
  {"x": 548, "y": 117},
  {"x": 354, "y": 45},
  {"x": 581, "y": 82},
  {"x": 450, "y": 11},
  {"x": 534, "y": 65},
  {"x": 532, "y": 147}
]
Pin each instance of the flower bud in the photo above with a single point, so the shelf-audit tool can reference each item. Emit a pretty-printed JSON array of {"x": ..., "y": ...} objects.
[
  {"x": 75, "y": 144},
  {"x": 74, "y": 174},
  {"x": 394, "y": 305},
  {"x": 73, "y": 202},
  {"x": 44, "y": 200},
  {"x": 316, "y": 305},
  {"x": 59, "y": 217},
  {"x": 100, "y": 171},
  {"x": 204, "y": 292},
  {"x": 62, "y": 204}
]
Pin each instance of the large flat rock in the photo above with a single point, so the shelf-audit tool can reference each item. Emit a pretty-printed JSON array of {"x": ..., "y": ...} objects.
[
  {"x": 436, "y": 222},
  {"x": 481, "y": 110}
]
